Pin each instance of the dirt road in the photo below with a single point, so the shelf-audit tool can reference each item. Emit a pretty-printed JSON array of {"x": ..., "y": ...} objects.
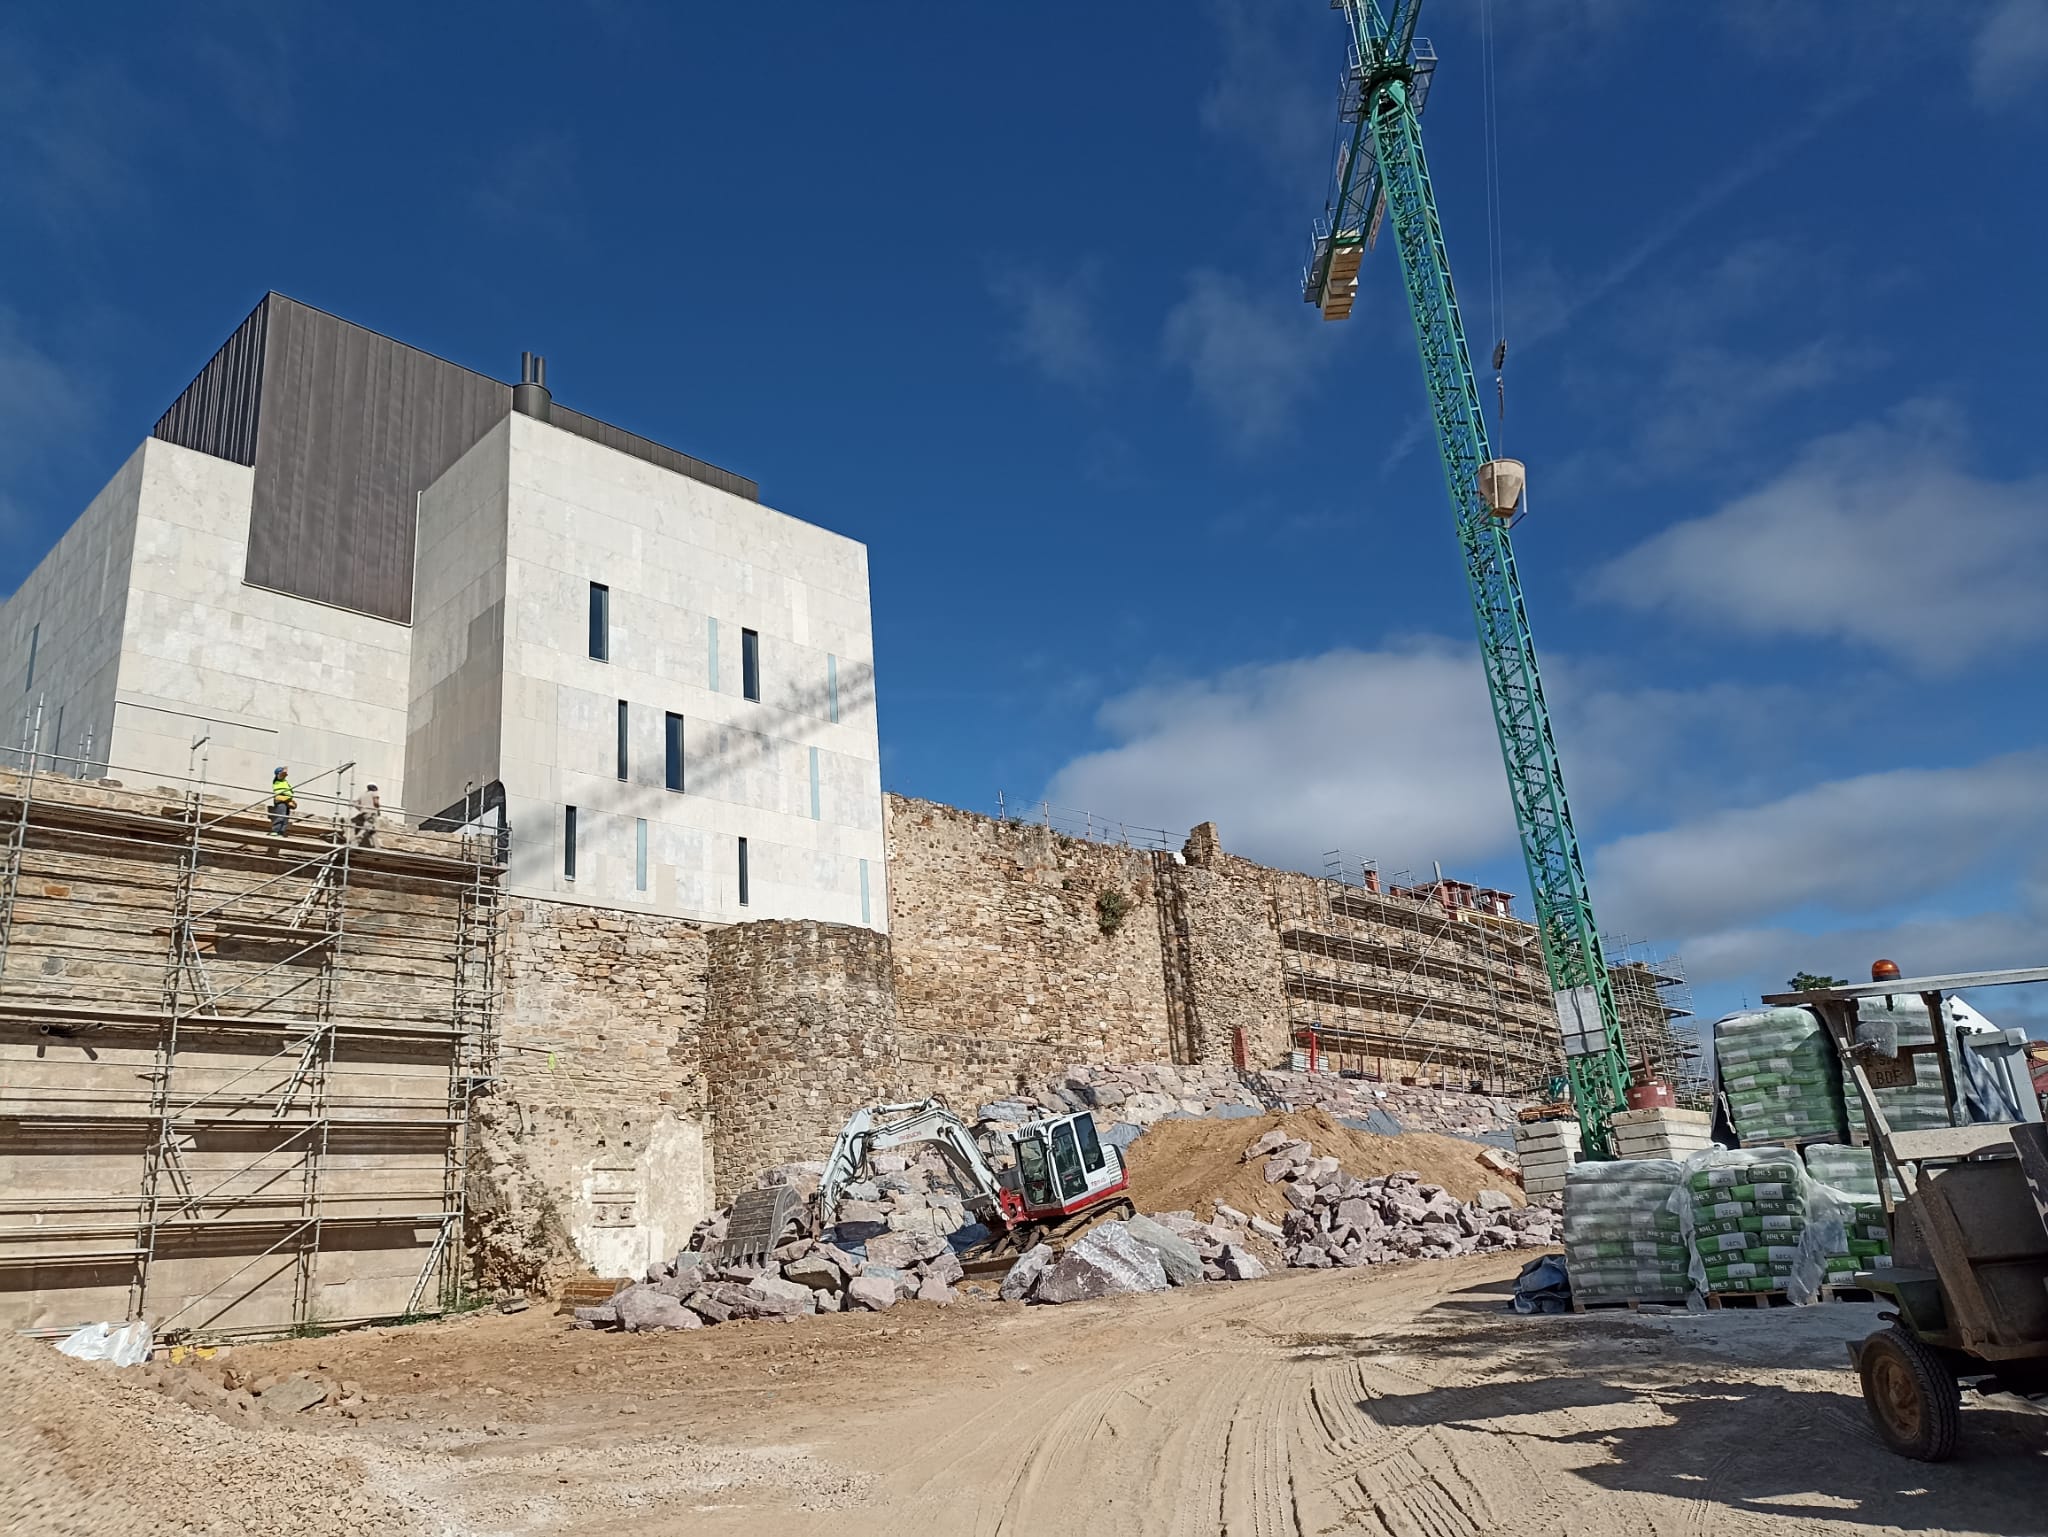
[{"x": 1395, "y": 1402}]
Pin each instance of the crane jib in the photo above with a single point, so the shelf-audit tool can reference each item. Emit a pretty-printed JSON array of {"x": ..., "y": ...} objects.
[{"x": 1385, "y": 162}]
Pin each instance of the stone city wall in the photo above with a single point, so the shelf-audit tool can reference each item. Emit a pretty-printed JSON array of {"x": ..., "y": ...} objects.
[{"x": 593, "y": 1142}]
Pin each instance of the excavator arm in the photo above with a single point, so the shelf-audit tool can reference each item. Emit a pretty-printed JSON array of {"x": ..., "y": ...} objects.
[{"x": 928, "y": 1122}]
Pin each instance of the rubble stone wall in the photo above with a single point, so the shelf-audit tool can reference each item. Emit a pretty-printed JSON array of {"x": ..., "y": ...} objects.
[
  {"x": 593, "y": 1147},
  {"x": 1017, "y": 949},
  {"x": 800, "y": 1031}
]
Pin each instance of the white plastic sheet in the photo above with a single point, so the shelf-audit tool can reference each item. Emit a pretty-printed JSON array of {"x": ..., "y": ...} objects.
[{"x": 124, "y": 1344}]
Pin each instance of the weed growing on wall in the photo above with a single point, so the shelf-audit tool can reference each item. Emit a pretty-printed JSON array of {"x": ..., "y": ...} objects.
[{"x": 1110, "y": 907}]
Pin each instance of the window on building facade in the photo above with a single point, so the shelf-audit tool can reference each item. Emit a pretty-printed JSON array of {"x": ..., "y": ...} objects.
[
  {"x": 34, "y": 636},
  {"x": 600, "y": 622},
  {"x": 743, "y": 873},
  {"x": 622, "y": 766},
  {"x": 568, "y": 843},
  {"x": 673, "y": 737},
  {"x": 640, "y": 854},
  {"x": 750, "y": 663}
]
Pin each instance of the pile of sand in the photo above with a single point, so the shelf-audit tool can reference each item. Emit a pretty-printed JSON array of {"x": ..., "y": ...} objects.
[
  {"x": 90, "y": 1451},
  {"x": 1192, "y": 1164}
]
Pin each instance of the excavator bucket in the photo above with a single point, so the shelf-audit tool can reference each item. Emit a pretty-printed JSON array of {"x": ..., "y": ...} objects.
[{"x": 755, "y": 1226}]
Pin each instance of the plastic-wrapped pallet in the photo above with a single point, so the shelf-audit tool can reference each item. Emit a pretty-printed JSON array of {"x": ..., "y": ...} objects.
[
  {"x": 1622, "y": 1235},
  {"x": 1778, "y": 1071},
  {"x": 1920, "y": 1104},
  {"x": 1849, "y": 1173},
  {"x": 1754, "y": 1222}
]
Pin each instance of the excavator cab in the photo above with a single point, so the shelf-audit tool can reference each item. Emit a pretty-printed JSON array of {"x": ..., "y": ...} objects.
[{"x": 1063, "y": 1166}]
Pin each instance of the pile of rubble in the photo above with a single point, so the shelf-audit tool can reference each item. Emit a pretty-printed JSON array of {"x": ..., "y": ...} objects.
[{"x": 1340, "y": 1220}]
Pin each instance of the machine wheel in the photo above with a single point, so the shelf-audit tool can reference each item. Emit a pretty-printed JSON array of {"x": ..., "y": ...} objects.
[{"x": 1911, "y": 1394}]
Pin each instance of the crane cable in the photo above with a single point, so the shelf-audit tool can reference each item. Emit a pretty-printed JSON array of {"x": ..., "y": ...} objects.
[{"x": 1496, "y": 265}]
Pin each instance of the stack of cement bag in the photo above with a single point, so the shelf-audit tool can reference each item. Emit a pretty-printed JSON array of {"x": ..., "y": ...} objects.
[
  {"x": 1748, "y": 1212},
  {"x": 1920, "y": 1104},
  {"x": 1622, "y": 1234},
  {"x": 1779, "y": 1073},
  {"x": 1866, "y": 1242}
]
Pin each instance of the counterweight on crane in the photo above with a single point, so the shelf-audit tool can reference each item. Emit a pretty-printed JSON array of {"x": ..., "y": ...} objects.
[{"x": 1381, "y": 174}]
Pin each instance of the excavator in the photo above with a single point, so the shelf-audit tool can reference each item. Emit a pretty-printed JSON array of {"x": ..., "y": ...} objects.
[{"x": 1064, "y": 1178}]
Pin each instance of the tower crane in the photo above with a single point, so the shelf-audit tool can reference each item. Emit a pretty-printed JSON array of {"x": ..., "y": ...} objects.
[{"x": 1381, "y": 176}]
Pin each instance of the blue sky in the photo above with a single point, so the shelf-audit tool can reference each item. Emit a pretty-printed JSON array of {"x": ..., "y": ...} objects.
[{"x": 1013, "y": 297}]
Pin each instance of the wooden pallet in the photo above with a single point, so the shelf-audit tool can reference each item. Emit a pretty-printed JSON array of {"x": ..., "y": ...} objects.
[
  {"x": 1809, "y": 1140},
  {"x": 1632, "y": 1304},
  {"x": 1732, "y": 1301},
  {"x": 1847, "y": 1294}
]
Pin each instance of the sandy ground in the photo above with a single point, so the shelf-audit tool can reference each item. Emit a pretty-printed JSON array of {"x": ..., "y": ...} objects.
[{"x": 1396, "y": 1402}]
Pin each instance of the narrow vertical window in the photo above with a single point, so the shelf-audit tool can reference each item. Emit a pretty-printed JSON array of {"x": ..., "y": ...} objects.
[
  {"x": 864, "y": 891},
  {"x": 750, "y": 663},
  {"x": 832, "y": 686},
  {"x": 713, "y": 685},
  {"x": 673, "y": 746},
  {"x": 814, "y": 784},
  {"x": 600, "y": 622},
  {"x": 743, "y": 872},
  {"x": 640, "y": 853},
  {"x": 622, "y": 740},
  {"x": 57, "y": 741},
  {"x": 568, "y": 843},
  {"x": 35, "y": 635}
]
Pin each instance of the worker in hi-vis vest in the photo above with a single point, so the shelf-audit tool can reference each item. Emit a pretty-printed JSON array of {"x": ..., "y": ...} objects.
[{"x": 282, "y": 801}]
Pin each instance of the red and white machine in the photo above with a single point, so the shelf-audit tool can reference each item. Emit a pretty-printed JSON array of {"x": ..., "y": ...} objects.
[{"x": 1063, "y": 1169}]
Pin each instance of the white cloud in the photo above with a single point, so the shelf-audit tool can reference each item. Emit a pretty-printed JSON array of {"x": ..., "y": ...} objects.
[
  {"x": 2009, "y": 54},
  {"x": 1053, "y": 323},
  {"x": 1852, "y": 847},
  {"x": 1875, "y": 536},
  {"x": 1251, "y": 361},
  {"x": 1387, "y": 754}
]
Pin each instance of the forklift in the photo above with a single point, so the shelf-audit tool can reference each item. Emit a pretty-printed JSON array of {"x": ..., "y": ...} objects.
[{"x": 1966, "y": 1206}]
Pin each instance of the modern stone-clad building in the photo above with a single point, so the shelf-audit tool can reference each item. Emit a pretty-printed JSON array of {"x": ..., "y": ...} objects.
[{"x": 337, "y": 549}]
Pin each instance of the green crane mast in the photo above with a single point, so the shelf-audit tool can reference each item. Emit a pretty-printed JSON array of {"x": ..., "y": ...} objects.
[{"x": 1381, "y": 175}]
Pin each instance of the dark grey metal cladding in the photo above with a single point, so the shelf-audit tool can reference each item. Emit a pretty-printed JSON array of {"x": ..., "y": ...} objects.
[
  {"x": 217, "y": 413},
  {"x": 345, "y": 427},
  {"x": 354, "y": 426}
]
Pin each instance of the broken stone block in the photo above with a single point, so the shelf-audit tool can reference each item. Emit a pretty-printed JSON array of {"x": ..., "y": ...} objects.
[
  {"x": 932, "y": 1289},
  {"x": 784, "y": 1296},
  {"x": 294, "y": 1395},
  {"x": 1493, "y": 1200},
  {"x": 917, "y": 1220},
  {"x": 872, "y": 1292},
  {"x": 1278, "y": 1169},
  {"x": 904, "y": 1282},
  {"x": 1271, "y": 1142},
  {"x": 604, "y": 1315},
  {"x": 1360, "y": 1214},
  {"x": 830, "y": 1302},
  {"x": 1105, "y": 1262},
  {"x": 1323, "y": 1170},
  {"x": 1232, "y": 1214},
  {"x": 855, "y": 1213},
  {"x": 1265, "y": 1229},
  {"x": 1177, "y": 1257},
  {"x": 1240, "y": 1264},
  {"x": 1025, "y": 1274},
  {"x": 659, "y": 1272},
  {"x": 1309, "y": 1257},
  {"x": 900, "y": 1251},
  {"x": 815, "y": 1271},
  {"x": 643, "y": 1309},
  {"x": 946, "y": 1269},
  {"x": 1470, "y": 1222}
]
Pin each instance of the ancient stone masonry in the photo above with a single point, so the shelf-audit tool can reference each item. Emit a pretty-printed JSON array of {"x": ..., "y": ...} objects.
[
  {"x": 595, "y": 1145},
  {"x": 801, "y": 1031},
  {"x": 1017, "y": 948}
]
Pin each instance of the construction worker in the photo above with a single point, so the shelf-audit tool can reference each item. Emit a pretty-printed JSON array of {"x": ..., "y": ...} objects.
[
  {"x": 282, "y": 802},
  {"x": 369, "y": 808}
]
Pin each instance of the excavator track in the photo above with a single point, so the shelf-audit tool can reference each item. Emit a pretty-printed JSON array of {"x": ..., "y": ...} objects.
[{"x": 1001, "y": 1252}]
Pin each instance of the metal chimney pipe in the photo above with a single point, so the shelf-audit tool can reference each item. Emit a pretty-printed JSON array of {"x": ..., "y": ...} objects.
[{"x": 530, "y": 395}]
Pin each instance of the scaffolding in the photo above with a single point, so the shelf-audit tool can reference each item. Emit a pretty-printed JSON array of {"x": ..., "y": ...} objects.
[
  {"x": 1653, "y": 998},
  {"x": 236, "y": 1066},
  {"x": 1434, "y": 982}
]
